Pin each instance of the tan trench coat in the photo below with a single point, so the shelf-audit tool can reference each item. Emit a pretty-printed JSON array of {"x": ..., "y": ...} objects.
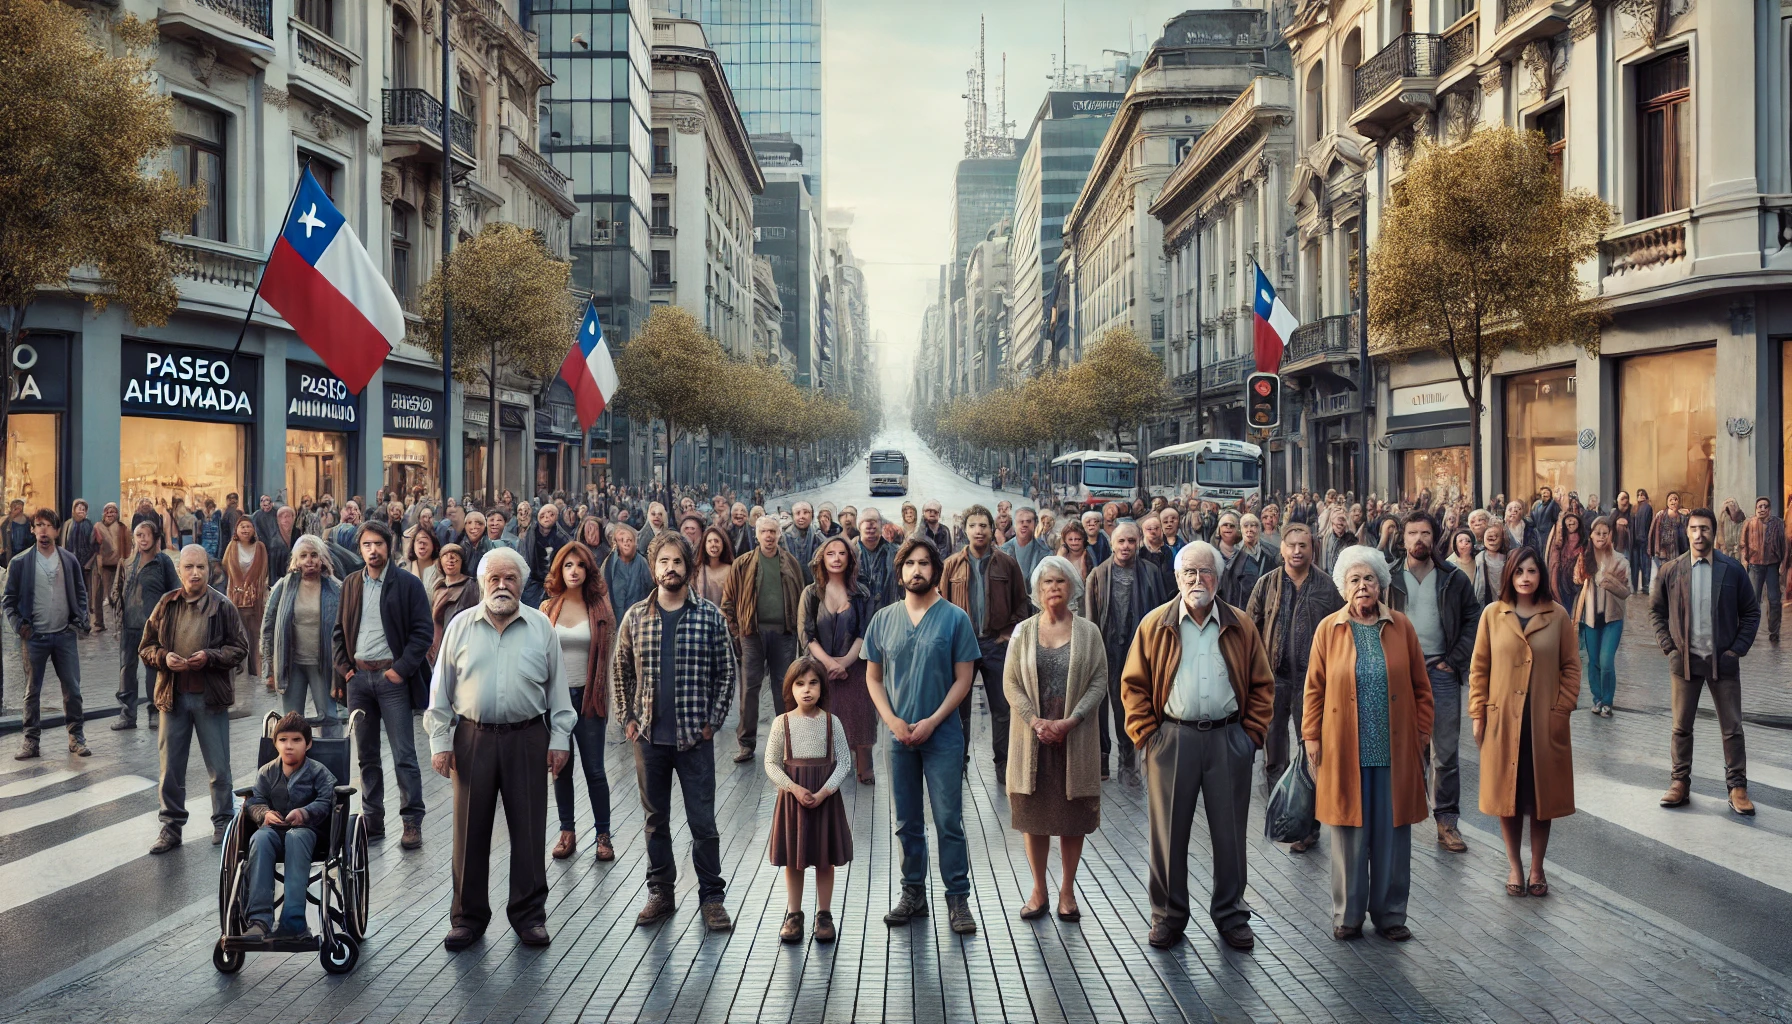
[{"x": 1544, "y": 658}]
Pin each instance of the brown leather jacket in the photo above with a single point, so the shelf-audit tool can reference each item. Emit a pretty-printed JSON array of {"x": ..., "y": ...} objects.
[
  {"x": 740, "y": 592},
  {"x": 1005, "y": 600},
  {"x": 1156, "y": 654},
  {"x": 226, "y": 645}
]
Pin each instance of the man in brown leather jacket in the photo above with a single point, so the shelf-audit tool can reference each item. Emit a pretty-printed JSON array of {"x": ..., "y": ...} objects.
[{"x": 986, "y": 584}]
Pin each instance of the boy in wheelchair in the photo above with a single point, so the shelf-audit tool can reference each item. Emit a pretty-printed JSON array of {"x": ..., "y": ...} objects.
[{"x": 291, "y": 804}]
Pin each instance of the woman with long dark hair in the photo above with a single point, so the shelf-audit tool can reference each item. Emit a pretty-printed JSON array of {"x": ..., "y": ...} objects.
[
  {"x": 831, "y": 620},
  {"x": 1073, "y": 547},
  {"x": 578, "y": 605},
  {"x": 713, "y": 562},
  {"x": 1603, "y": 574},
  {"x": 1567, "y": 543}
]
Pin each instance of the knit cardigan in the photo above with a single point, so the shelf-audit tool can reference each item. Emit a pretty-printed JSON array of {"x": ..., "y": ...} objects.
[{"x": 1085, "y": 685}]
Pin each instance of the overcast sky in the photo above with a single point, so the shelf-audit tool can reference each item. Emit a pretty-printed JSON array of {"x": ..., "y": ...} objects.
[{"x": 894, "y": 86}]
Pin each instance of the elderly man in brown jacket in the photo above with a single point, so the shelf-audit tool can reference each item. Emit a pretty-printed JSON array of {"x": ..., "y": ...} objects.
[
  {"x": 986, "y": 583},
  {"x": 1198, "y": 693},
  {"x": 760, "y": 599}
]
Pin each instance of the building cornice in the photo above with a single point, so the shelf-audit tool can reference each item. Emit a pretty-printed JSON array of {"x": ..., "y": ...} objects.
[{"x": 721, "y": 101}]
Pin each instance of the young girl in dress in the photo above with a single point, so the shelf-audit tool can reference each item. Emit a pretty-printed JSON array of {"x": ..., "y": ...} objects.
[{"x": 806, "y": 760}]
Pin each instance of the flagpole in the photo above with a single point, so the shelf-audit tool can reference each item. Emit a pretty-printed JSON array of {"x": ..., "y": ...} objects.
[
  {"x": 447, "y": 244},
  {"x": 256, "y": 294}
]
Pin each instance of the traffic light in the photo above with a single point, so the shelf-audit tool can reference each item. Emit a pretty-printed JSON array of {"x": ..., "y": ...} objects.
[{"x": 1264, "y": 392}]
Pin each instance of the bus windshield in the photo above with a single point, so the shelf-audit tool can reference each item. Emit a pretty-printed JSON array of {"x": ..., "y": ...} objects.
[
  {"x": 1226, "y": 471},
  {"x": 889, "y": 467},
  {"x": 1109, "y": 474}
]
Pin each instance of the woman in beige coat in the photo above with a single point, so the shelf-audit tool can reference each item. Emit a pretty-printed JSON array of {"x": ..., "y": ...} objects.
[
  {"x": 1055, "y": 679},
  {"x": 1523, "y": 685}
]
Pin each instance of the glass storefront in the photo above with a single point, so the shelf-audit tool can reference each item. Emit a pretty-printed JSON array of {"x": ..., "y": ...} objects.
[
  {"x": 1667, "y": 420},
  {"x": 411, "y": 462},
  {"x": 32, "y": 455},
  {"x": 1785, "y": 425},
  {"x": 316, "y": 464},
  {"x": 161, "y": 459},
  {"x": 1445, "y": 472},
  {"x": 1540, "y": 445}
]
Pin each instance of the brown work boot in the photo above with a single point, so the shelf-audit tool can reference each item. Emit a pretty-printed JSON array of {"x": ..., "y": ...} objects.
[
  {"x": 413, "y": 836},
  {"x": 715, "y": 916},
  {"x": 1740, "y": 803},
  {"x": 1450, "y": 838},
  {"x": 792, "y": 931},
  {"x": 659, "y": 905},
  {"x": 1676, "y": 794},
  {"x": 567, "y": 846}
]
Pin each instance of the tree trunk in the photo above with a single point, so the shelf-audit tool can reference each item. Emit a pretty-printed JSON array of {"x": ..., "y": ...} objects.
[{"x": 1474, "y": 421}]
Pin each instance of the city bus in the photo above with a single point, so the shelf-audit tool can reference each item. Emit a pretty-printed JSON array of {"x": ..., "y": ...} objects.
[
  {"x": 1220, "y": 471},
  {"x": 1091, "y": 479},
  {"x": 889, "y": 471}
]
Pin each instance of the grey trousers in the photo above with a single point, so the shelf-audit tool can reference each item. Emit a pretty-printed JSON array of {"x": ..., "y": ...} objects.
[
  {"x": 190, "y": 717},
  {"x": 1183, "y": 765},
  {"x": 767, "y": 652},
  {"x": 1372, "y": 864}
]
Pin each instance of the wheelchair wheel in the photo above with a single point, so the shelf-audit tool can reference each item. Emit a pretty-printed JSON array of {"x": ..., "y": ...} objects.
[
  {"x": 226, "y": 961},
  {"x": 339, "y": 953},
  {"x": 356, "y": 887},
  {"x": 235, "y": 915},
  {"x": 227, "y": 864}
]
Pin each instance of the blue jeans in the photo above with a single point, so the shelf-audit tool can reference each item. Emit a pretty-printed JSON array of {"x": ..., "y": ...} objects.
[
  {"x": 588, "y": 751},
  {"x": 655, "y": 764},
  {"x": 57, "y": 649},
  {"x": 315, "y": 680},
  {"x": 939, "y": 765},
  {"x": 265, "y": 847},
  {"x": 190, "y": 716},
  {"x": 1601, "y": 647},
  {"x": 388, "y": 702},
  {"x": 1446, "y": 741}
]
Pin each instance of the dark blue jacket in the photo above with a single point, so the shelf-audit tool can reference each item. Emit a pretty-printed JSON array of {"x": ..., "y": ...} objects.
[
  {"x": 311, "y": 789},
  {"x": 404, "y": 614},
  {"x": 21, "y": 586}
]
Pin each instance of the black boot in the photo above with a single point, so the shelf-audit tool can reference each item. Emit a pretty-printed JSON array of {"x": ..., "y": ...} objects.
[
  {"x": 913, "y": 904},
  {"x": 958, "y": 911}
]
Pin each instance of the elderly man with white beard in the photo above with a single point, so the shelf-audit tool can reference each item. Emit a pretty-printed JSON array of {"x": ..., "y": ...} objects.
[
  {"x": 498, "y": 672},
  {"x": 1198, "y": 693}
]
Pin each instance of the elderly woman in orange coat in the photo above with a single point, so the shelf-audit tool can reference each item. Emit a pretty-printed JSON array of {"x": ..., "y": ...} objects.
[
  {"x": 1523, "y": 685},
  {"x": 1367, "y": 718}
]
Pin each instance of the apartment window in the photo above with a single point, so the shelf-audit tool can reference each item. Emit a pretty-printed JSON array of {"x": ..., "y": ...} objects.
[
  {"x": 1664, "y": 134},
  {"x": 401, "y": 252},
  {"x": 662, "y": 210},
  {"x": 466, "y": 98},
  {"x": 662, "y": 148},
  {"x": 328, "y": 175},
  {"x": 319, "y": 14},
  {"x": 1553, "y": 123},
  {"x": 199, "y": 159},
  {"x": 399, "y": 67},
  {"x": 662, "y": 267}
]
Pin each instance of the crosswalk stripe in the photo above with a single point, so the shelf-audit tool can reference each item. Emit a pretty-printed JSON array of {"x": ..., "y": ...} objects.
[
  {"x": 45, "y": 811},
  {"x": 1708, "y": 830},
  {"x": 35, "y": 783},
  {"x": 48, "y": 871}
]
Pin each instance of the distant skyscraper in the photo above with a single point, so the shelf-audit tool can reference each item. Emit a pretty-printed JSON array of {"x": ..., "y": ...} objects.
[{"x": 771, "y": 50}]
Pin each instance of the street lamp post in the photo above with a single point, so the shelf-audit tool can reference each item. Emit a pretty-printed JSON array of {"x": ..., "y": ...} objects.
[
  {"x": 1366, "y": 374},
  {"x": 447, "y": 245}
]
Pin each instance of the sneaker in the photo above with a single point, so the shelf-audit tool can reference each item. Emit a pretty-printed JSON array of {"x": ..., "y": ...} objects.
[
  {"x": 413, "y": 836},
  {"x": 958, "y": 911},
  {"x": 715, "y": 916},
  {"x": 659, "y": 905},
  {"x": 78, "y": 747},
  {"x": 913, "y": 904},
  {"x": 167, "y": 840}
]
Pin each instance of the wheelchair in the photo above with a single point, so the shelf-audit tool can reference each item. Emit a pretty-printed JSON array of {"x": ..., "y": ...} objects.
[{"x": 340, "y": 873}]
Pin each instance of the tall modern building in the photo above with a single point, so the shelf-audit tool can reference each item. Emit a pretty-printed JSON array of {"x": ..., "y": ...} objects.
[
  {"x": 771, "y": 50},
  {"x": 982, "y": 195},
  {"x": 787, "y": 228}
]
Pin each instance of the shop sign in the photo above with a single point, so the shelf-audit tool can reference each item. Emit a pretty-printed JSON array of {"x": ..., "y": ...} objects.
[
  {"x": 413, "y": 412},
  {"x": 1085, "y": 104},
  {"x": 317, "y": 399},
  {"x": 1426, "y": 405},
  {"x": 40, "y": 372},
  {"x": 171, "y": 380}
]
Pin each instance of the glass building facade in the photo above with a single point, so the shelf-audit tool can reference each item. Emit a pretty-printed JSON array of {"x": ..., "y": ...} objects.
[{"x": 771, "y": 50}]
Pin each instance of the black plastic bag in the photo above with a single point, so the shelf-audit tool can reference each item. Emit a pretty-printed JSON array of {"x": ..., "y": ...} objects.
[{"x": 1290, "y": 817}]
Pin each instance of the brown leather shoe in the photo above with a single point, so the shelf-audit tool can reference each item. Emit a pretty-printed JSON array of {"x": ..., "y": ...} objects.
[
  {"x": 533, "y": 935},
  {"x": 1677, "y": 793},
  {"x": 743, "y": 755},
  {"x": 1240, "y": 937},
  {"x": 824, "y": 926},
  {"x": 1344, "y": 933},
  {"x": 412, "y": 838},
  {"x": 792, "y": 931},
  {"x": 1303, "y": 845},
  {"x": 605, "y": 851},
  {"x": 459, "y": 938},
  {"x": 1740, "y": 803},
  {"x": 1163, "y": 936},
  {"x": 715, "y": 916},
  {"x": 659, "y": 905},
  {"x": 567, "y": 846},
  {"x": 1450, "y": 838}
]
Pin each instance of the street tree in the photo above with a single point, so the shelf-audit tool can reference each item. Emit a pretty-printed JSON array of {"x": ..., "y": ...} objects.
[
  {"x": 1119, "y": 383},
  {"x": 671, "y": 370},
  {"x": 83, "y": 120},
  {"x": 1479, "y": 251}
]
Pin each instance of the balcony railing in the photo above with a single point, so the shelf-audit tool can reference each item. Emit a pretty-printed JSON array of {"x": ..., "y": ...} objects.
[
  {"x": 662, "y": 231},
  {"x": 323, "y": 58},
  {"x": 222, "y": 268},
  {"x": 663, "y": 282},
  {"x": 1651, "y": 247},
  {"x": 1327, "y": 337},
  {"x": 1227, "y": 373},
  {"x": 513, "y": 146},
  {"x": 1413, "y": 55},
  {"x": 416, "y": 108},
  {"x": 665, "y": 170},
  {"x": 1510, "y": 9},
  {"x": 1459, "y": 45},
  {"x": 254, "y": 14},
  {"x": 499, "y": 19},
  {"x": 1342, "y": 402}
]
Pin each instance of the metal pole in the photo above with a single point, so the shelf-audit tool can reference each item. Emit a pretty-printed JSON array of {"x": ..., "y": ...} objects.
[
  {"x": 1199, "y": 283},
  {"x": 447, "y": 245},
  {"x": 1362, "y": 336}
]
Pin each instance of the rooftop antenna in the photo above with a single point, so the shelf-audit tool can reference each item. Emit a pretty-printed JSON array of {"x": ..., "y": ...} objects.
[{"x": 1064, "y": 44}]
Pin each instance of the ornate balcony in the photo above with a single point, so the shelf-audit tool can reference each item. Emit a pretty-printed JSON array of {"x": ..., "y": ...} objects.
[
  {"x": 1649, "y": 245},
  {"x": 1459, "y": 44},
  {"x": 414, "y": 117},
  {"x": 516, "y": 155},
  {"x": 1510, "y": 9},
  {"x": 1328, "y": 340},
  {"x": 1399, "y": 79},
  {"x": 257, "y": 15},
  {"x": 325, "y": 57},
  {"x": 213, "y": 266},
  {"x": 1227, "y": 373}
]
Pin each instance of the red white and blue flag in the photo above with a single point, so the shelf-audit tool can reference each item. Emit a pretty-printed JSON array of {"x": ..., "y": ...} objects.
[
  {"x": 1275, "y": 324},
  {"x": 588, "y": 370},
  {"x": 320, "y": 278}
]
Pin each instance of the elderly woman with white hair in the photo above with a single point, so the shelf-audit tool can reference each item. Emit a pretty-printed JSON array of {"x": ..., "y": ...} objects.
[
  {"x": 1366, "y": 721},
  {"x": 296, "y": 648},
  {"x": 1055, "y": 679}
]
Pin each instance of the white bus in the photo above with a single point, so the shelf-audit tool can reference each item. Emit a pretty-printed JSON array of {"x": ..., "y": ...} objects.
[
  {"x": 1091, "y": 479},
  {"x": 1225, "y": 472},
  {"x": 889, "y": 471}
]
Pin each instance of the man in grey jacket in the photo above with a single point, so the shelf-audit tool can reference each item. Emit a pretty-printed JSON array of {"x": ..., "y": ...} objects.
[{"x": 802, "y": 537}]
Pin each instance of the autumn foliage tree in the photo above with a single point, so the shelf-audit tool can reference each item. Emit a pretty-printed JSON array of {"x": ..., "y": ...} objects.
[
  {"x": 1479, "y": 252},
  {"x": 510, "y": 299},
  {"x": 672, "y": 370},
  {"x": 1120, "y": 382},
  {"x": 81, "y": 120}
]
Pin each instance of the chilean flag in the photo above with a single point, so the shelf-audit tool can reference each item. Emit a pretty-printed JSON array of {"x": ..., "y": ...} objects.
[
  {"x": 588, "y": 370},
  {"x": 320, "y": 278},
  {"x": 1274, "y": 325}
]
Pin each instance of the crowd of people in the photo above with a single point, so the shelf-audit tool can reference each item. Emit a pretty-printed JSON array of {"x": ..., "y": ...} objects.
[{"x": 1170, "y": 640}]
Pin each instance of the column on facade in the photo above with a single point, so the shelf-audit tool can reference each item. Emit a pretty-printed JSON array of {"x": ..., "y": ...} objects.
[{"x": 1241, "y": 261}]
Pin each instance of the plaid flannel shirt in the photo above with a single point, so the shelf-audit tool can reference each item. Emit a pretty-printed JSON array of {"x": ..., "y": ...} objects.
[{"x": 705, "y": 667}]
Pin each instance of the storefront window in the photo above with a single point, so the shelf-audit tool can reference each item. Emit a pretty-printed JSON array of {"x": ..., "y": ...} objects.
[
  {"x": 31, "y": 459},
  {"x": 1785, "y": 424},
  {"x": 1667, "y": 409},
  {"x": 161, "y": 459},
  {"x": 1540, "y": 446},
  {"x": 412, "y": 462},
  {"x": 316, "y": 464},
  {"x": 1444, "y": 472}
]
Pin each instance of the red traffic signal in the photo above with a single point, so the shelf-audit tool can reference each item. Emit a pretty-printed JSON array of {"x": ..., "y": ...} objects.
[{"x": 1265, "y": 400}]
